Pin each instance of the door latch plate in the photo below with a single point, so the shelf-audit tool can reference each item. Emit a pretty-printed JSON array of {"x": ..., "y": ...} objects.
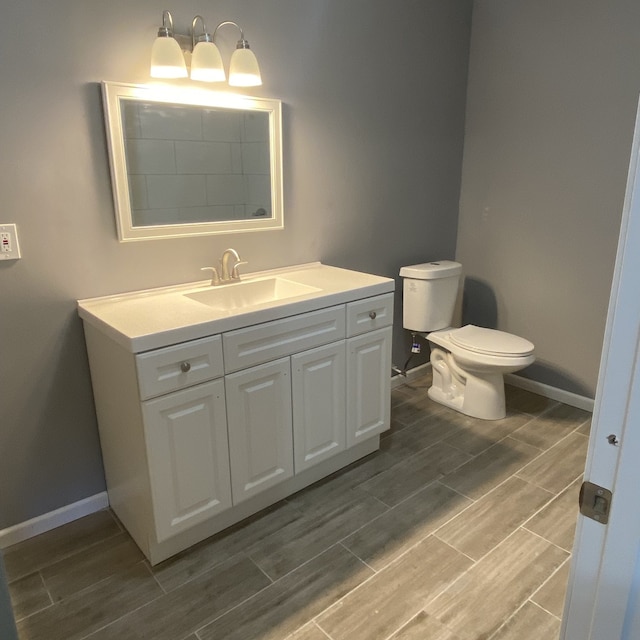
[{"x": 595, "y": 502}]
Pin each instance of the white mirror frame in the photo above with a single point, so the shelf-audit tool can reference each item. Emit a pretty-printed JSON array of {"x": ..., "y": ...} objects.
[{"x": 113, "y": 95}]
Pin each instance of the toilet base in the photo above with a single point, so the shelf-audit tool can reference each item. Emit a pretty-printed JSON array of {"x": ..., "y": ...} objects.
[
  {"x": 485, "y": 411},
  {"x": 476, "y": 394}
]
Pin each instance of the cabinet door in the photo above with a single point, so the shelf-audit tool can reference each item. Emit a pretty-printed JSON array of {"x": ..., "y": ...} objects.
[
  {"x": 368, "y": 385},
  {"x": 260, "y": 436},
  {"x": 318, "y": 385},
  {"x": 186, "y": 436}
]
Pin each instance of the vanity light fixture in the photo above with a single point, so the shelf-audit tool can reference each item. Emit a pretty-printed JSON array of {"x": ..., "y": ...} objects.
[
  {"x": 168, "y": 59},
  {"x": 243, "y": 67},
  {"x": 206, "y": 61}
]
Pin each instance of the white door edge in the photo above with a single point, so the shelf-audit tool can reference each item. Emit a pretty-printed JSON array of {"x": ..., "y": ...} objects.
[{"x": 604, "y": 557}]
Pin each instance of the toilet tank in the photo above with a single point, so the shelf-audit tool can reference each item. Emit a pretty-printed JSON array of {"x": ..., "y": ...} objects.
[{"x": 430, "y": 291}]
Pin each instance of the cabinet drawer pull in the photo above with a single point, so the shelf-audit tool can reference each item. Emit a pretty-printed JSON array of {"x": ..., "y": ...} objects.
[
  {"x": 185, "y": 367},
  {"x": 372, "y": 315}
]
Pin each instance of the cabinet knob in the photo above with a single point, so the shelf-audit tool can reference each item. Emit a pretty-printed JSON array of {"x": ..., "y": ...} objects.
[
  {"x": 185, "y": 366},
  {"x": 372, "y": 315}
]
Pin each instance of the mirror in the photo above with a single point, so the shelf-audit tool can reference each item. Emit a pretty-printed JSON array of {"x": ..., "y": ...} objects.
[{"x": 188, "y": 162}]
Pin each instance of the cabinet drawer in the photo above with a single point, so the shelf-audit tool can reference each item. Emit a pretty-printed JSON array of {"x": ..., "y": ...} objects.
[
  {"x": 255, "y": 345},
  {"x": 180, "y": 366},
  {"x": 369, "y": 314}
]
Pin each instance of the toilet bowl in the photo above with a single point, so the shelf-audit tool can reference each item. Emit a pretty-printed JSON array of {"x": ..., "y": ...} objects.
[{"x": 469, "y": 365}]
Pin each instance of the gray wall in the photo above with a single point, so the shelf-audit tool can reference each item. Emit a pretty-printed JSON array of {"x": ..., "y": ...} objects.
[
  {"x": 551, "y": 101},
  {"x": 374, "y": 96}
]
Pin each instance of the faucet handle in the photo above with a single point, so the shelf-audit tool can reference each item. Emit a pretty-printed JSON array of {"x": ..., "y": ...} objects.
[
  {"x": 215, "y": 278},
  {"x": 234, "y": 272}
]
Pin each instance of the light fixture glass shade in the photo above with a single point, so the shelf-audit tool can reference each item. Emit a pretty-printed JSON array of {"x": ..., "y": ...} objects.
[
  {"x": 206, "y": 63},
  {"x": 167, "y": 60},
  {"x": 243, "y": 69}
]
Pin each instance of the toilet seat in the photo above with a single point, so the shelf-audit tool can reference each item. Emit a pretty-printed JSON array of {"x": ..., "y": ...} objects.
[{"x": 490, "y": 342}]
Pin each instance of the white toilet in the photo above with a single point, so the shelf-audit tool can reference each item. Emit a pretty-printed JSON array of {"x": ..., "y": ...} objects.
[{"x": 468, "y": 363}]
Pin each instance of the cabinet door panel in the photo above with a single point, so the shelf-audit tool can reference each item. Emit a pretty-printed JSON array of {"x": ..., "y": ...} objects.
[
  {"x": 186, "y": 436},
  {"x": 260, "y": 436},
  {"x": 319, "y": 418},
  {"x": 368, "y": 385}
]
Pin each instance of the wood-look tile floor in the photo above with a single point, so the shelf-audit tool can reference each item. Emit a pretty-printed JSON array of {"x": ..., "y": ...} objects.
[{"x": 457, "y": 529}]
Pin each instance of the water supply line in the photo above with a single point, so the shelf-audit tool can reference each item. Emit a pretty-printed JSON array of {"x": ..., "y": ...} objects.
[{"x": 415, "y": 348}]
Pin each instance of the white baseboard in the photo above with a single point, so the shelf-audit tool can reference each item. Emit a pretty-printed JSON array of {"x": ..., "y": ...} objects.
[
  {"x": 553, "y": 393},
  {"x": 47, "y": 521}
]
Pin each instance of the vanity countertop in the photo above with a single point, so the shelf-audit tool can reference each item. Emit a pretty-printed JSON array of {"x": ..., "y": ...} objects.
[{"x": 154, "y": 318}]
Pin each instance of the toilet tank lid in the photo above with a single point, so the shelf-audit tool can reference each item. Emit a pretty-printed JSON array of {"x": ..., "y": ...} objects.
[{"x": 432, "y": 270}]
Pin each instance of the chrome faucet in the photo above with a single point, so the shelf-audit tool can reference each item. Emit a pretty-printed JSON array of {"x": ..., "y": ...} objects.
[
  {"x": 229, "y": 257},
  {"x": 228, "y": 268}
]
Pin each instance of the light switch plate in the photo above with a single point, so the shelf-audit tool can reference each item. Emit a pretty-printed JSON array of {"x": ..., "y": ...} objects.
[{"x": 9, "y": 246}]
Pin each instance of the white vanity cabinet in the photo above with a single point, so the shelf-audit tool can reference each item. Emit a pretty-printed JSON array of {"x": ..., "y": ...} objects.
[
  {"x": 204, "y": 432},
  {"x": 183, "y": 421}
]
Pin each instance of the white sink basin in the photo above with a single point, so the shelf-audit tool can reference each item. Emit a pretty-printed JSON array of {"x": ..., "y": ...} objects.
[{"x": 251, "y": 293}]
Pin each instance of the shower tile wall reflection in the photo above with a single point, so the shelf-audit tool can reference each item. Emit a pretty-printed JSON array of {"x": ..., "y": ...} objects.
[{"x": 195, "y": 164}]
